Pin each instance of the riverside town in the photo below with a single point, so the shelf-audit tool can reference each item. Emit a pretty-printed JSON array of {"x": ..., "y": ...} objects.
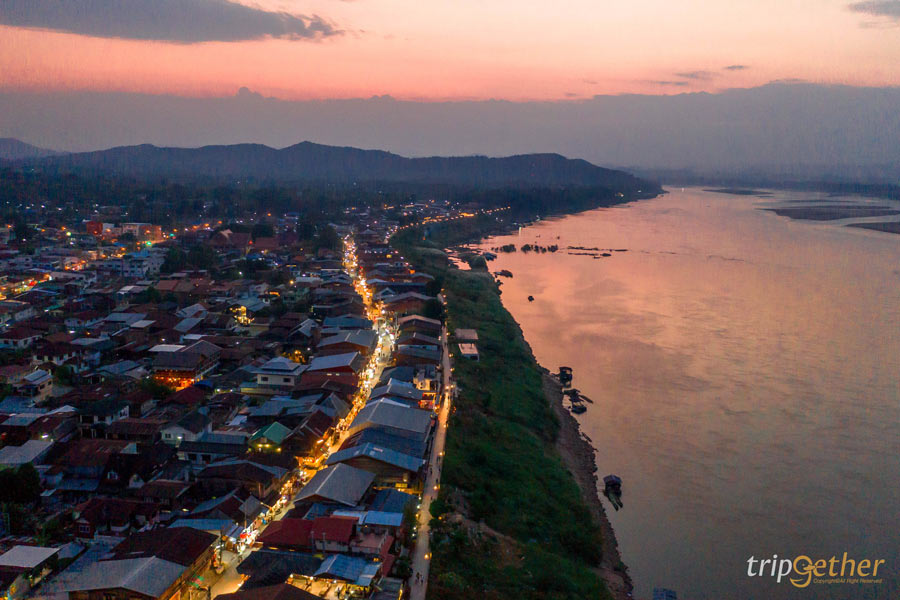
[{"x": 220, "y": 409}]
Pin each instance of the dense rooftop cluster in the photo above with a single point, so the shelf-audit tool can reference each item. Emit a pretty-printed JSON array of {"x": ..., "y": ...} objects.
[{"x": 188, "y": 412}]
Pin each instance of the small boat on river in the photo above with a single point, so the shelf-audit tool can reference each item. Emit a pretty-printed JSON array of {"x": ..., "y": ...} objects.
[{"x": 613, "y": 490}]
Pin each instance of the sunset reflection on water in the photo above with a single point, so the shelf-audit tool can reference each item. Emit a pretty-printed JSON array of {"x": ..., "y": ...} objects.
[{"x": 744, "y": 369}]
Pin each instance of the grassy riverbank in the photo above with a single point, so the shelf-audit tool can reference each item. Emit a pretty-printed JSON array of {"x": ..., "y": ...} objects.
[{"x": 511, "y": 521}]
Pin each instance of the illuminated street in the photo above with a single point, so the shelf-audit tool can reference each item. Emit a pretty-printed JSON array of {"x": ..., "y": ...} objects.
[
  {"x": 422, "y": 553},
  {"x": 230, "y": 581}
]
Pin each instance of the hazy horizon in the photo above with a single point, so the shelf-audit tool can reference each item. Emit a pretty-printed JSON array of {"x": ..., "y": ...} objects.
[{"x": 783, "y": 125}]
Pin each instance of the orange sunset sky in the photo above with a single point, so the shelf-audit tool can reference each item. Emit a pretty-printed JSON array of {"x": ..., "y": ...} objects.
[{"x": 445, "y": 49}]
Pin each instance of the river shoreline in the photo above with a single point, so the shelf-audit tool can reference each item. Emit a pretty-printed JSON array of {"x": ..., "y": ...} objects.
[
  {"x": 576, "y": 451},
  {"x": 518, "y": 412},
  {"x": 722, "y": 381},
  {"x": 580, "y": 457}
]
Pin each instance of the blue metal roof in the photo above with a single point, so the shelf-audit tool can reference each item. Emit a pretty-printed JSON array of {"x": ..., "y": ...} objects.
[
  {"x": 386, "y": 519},
  {"x": 379, "y": 453},
  {"x": 380, "y": 437},
  {"x": 390, "y": 500},
  {"x": 341, "y": 566},
  {"x": 219, "y": 525}
]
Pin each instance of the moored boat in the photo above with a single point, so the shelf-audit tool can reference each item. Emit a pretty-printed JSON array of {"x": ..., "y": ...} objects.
[{"x": 613, "y": 490}]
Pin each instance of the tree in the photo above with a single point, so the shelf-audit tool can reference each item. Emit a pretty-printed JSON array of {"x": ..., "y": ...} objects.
[
  {"x": 64, "y": 375},
  {"x": 301, "y": 306},
  {"x": 434, "y": 287},
  {"x": 238, "y": 228},
  {"x": 176, "y": 260},
  {"x": 327, "y": 238},
  {"x": 20, "y": 486},
  {"x": 17, "y": 517},
  {"x": 433, "y": 309},
  {"x": 404, "y": 567},
  {"x": 409, "y": 522},
  {"x": 279, "y": 277},
  {"x": 306, "y": 230},
  {"x": 22, "y": 231},
  {"x": 202, "y": 257},
  {"x": 11, "y": 357},
  {"x": 50, "y": 532},
  {"x": 149, "y": 296},
  {"x": 155, "y": 388},
  {"x": 261, "y": 230},
  {"x": 29, "y": 484},
  {"x": 250, "y": 266}
]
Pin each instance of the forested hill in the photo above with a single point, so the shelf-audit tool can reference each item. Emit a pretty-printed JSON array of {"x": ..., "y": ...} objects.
[
  {"x": 13, "y": 149},
  {"x": 307, "y": 161}
]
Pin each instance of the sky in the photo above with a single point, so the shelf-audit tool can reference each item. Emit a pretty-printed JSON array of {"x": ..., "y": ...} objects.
[
  {"x": 809, "y": 85},
  {"x": 438, "y": 50}
]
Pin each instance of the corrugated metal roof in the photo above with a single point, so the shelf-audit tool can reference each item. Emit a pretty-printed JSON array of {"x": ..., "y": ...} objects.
[
  {"x": 339, "y": 483},
  {"x": 391, "y": 415},
  {"x": 18, "y": 455},
  {"x": 341, "y": 566},
  {"x": 379, "y": 453},
  {"x": 390, "y": 500},
  {"x": 150, "y": 576},
  {"x": 26, "y": 557},
  {"x": 217, "y": 525},
  {"x": 387, "y": 519},
  {"x": 276, "y": 432},
  {"x": 323, "y": 363},
  {"x": 398, "y": 388}
]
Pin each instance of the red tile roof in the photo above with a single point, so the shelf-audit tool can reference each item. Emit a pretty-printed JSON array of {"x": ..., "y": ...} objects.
[
  {"x": 189, "y": 396},
  {"x": 291, "y": 533},
  {"x": 20, "y": 333},
  {"x": 333, "y": 529},
  {"x": 91, "y": 453},
  {"x": 281, "y": 591},
  {"x": 180, "y": 545},
  {"x": 116, "y": 511}
]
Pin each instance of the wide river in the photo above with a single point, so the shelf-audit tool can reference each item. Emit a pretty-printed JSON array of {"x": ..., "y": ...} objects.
[{"x": 745, "y": 373}]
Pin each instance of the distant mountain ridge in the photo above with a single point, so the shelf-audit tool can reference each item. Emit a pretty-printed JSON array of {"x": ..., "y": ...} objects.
[
  {"x": 308, "y": 161},
  {"x": 13, "y": 149}
]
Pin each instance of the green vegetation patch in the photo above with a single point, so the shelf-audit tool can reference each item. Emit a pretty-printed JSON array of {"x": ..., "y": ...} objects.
[{"x": 501, "y": 467}]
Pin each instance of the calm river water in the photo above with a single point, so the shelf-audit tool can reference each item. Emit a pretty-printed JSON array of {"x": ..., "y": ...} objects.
[{"x": 745, "y": 373}]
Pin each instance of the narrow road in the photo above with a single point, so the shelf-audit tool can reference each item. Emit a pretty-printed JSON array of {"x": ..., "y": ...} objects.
[
  {"x": 230, "y": 580},
  {"x": 422, "y": 553}
]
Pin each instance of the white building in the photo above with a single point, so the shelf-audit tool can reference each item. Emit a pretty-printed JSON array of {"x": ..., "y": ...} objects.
[{"x": 279, "y": 372}]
